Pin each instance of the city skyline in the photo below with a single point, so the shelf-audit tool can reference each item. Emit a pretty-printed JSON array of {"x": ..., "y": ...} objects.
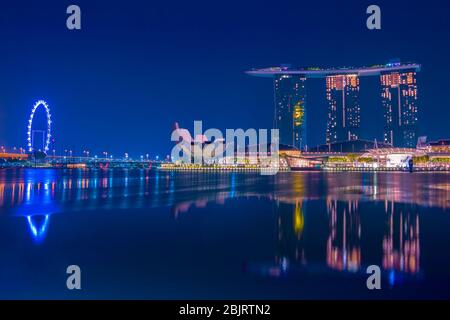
[
  {"x": 398, "y": 101},
  {"x": 182, "y": 65}
]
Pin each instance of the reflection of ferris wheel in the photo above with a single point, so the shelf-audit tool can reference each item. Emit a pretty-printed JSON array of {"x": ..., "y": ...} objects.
[{"x": 46, "y": 134}]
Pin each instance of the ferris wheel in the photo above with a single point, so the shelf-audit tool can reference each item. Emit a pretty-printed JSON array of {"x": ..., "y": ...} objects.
[{"x": 46, "y": 133}]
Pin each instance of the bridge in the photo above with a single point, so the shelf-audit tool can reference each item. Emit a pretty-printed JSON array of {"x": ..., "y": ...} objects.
[
  {"x": 103, "y": 163},
  {"x": 8, "y": 156}
]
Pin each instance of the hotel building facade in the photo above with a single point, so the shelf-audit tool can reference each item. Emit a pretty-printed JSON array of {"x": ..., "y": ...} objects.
[
  {"x": 344, "y": 117},
  {"x": 290, "y": 109},
  {"x": 398, "y": 102}
]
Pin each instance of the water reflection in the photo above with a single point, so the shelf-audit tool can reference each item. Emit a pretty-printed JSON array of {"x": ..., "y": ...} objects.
[
  {"x": 343, "y": 243},
  {"x": 322, "y": 220},
  {"x": 89, "y": 187},
  {"x": 38, "y": 226},
  {"x": 400, "y": 242},
  {"x": 290, "y": 239}
]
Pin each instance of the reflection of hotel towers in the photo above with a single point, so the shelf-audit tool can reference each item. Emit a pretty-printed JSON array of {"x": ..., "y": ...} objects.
[
  {"x": 344, "y": 117},
  {"x": 290, "y": 226},
  {"x": 401, "y": 245},
  {"x": 343, "y": 244}
]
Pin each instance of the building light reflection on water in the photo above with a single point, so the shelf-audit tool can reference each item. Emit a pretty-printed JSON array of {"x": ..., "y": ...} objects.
[
  {"x": 400, "y": 242},
  {"x": 36, "y": 196},
  {"x": 38, "y": 230},
  {"x": 343, "y": 243}
]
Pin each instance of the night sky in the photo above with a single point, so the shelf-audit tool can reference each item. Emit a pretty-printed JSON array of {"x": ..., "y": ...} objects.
[{"x": 118, "y": 84}]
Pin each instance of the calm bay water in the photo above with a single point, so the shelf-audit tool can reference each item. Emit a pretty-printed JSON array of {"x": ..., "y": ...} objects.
[{"x": 162, "y": 235}]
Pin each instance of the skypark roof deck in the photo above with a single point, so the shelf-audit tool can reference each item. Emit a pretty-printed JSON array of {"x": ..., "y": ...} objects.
[{"x": 324, "y": 72}]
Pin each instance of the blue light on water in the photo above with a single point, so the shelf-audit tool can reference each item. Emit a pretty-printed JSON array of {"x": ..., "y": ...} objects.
[
  {"x": 233, "y": 185},
  {"x": 38, "y": 232},
  {"x": 392, "y": 277}
]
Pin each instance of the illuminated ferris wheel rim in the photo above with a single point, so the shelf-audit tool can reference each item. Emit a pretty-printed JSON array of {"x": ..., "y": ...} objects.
[{"x": 49, "y": 125}]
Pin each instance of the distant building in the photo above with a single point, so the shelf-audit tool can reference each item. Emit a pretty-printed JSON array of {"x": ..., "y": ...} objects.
[
  {"x": 290, "y": 109},
  {"x": 344, "y": 117},
  {"x": 440, "y": 146},
  {"x": 349, "y": 146}
]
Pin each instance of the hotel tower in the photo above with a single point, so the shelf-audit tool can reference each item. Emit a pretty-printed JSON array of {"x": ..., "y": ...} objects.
[
  {"x": 344, "y": 117},
  {"x": 290, "y": 109},
  {"x": 398, "y": 102}
]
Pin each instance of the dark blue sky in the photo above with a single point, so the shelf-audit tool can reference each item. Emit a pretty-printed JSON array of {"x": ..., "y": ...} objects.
[{"x": 138, "y": 66}]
